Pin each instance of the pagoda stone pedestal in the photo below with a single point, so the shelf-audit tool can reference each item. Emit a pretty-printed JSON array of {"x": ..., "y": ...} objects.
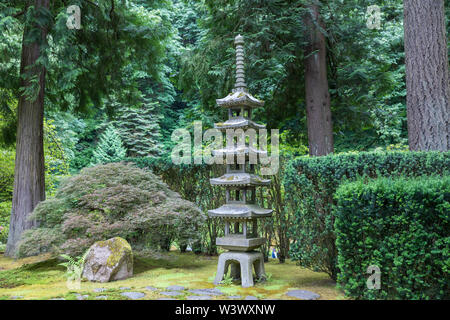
[
  {"x": 242, "y": 264},
  {"x": 241, "y": 212}
]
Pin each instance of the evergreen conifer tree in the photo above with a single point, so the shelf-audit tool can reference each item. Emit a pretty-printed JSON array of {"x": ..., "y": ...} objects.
[
  {"x": 140, "y": 130},
  {"x": 110, "y": 147}
]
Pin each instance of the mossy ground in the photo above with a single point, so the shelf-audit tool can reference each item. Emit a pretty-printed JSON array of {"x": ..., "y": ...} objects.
[{"x": 41, "y": 278}]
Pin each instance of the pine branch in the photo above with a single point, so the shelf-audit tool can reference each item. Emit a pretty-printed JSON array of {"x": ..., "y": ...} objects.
[
  {"x": 91, "y": 3},
  {"x": 20, "y": 13}
]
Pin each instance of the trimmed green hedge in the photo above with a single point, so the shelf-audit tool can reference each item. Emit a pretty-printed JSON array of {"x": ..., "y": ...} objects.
[
  {"x": 311, "y": 182},
  {"x": 403, "y": 227}
]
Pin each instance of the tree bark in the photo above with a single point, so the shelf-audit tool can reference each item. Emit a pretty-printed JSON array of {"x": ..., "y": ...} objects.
[
  {"x": 318, "y": 111},
  {"x": 29, "y": 185},
  {"x": 427, "y": 78}
]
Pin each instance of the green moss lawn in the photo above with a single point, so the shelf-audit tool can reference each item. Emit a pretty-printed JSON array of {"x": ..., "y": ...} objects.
[{"x": 41, "y": 278}]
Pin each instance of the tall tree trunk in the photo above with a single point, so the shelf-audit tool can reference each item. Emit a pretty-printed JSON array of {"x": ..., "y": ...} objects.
[
  {"x": 427, "y": 78},
  {"x": 29, "y": 186},
  {"x": 318, "y": 111}
]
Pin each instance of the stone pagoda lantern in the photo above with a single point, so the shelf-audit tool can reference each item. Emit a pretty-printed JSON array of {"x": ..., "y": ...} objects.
[{"x": 241, "y": 212}]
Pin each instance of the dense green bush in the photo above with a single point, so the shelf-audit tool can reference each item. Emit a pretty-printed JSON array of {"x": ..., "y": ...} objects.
[
  {"x": 192, "y": 182},
  {"x": 5, "y": 212},
  {"x": 403, "y": 227},
  {"x": 7, "y": 159},
  {"x": 112, "y": 200},
  {"x": 83, "y": 149},
  {"x": 311, "y": 182}
]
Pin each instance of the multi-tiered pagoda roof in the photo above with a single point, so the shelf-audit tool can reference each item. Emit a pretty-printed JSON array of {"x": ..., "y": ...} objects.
[
  {"x": 240, "y": 213},
  {"x": 239, "y": 183}
]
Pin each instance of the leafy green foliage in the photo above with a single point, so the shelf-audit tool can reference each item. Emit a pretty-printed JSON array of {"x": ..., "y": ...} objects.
[
  {"x": 400, "y": 225},
  {"x": 111, "y": 200},
  {"x": 56, "y": 161},
  {"x": 365, "y": 67},
  {"x": 227, "y": 280},
  {"x": 109, "y": 148},
  {"x": 366, "y": 74},
  {"x": 139, "y": 130},
  {"x": 114, "y": 38},
  {"x": 7, "y": 158},
  {"x": 74, "y": 266},
  {"x": 192, "y": 182},
  {"x": 84, "y": 148},
  {"x": 118, "y": 40},
  {"x": 275, "y": 229},
  {"x": 56, "y": 166},
  {"x": 68, "y": 129},
  {"x": 273, "y": 33},
  {"x": 310, "y": 185},
  {"x": 5, "y": 213},
  {"x": 10, "y": 45}
]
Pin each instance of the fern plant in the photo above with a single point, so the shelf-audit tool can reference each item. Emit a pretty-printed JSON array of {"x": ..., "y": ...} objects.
[
  {"x": 227, "y": 280},
  {"x": 74, "y": 266},
  {"x": 268, "y": 276}
]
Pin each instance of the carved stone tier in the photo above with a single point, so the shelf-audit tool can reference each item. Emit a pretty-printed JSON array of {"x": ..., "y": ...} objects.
[
  {"x": 236, "y": 242},
  {"x": 239, "y": 211},
  {"x": 240, "y": 179},
  {"x": 238, "y": 150},
  {"x": 238, "y": 123},
  {"x": 239, "y": 99}
]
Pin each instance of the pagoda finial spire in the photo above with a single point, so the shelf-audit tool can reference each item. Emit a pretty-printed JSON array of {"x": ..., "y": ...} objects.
[{"x": 240, "y": 73}]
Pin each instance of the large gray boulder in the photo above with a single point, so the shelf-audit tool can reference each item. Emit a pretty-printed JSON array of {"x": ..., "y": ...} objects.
[{"x": 109, "y": 260}]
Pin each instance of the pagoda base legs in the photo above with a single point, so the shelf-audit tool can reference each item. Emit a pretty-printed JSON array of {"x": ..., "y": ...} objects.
[
  {"x": 235, "y": 271},
  {"x": 246, "y": 261}
]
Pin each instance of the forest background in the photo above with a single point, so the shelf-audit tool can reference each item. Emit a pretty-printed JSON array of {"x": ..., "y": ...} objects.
[{"x": 137, "y": 70}]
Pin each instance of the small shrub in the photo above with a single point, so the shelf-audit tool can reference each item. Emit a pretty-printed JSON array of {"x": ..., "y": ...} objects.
[
  {"x": 311, "y": 182},
  {"x": 400, "y": 225},
  {"x": 7, "y": 159},
  {"x": 227, "y": 280},
  {"x": 74, "y": 266},
  {"x": 5, "y": 212},
  {"x": 192, "y": 182},
  {"x": 111, "y": 200}
]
